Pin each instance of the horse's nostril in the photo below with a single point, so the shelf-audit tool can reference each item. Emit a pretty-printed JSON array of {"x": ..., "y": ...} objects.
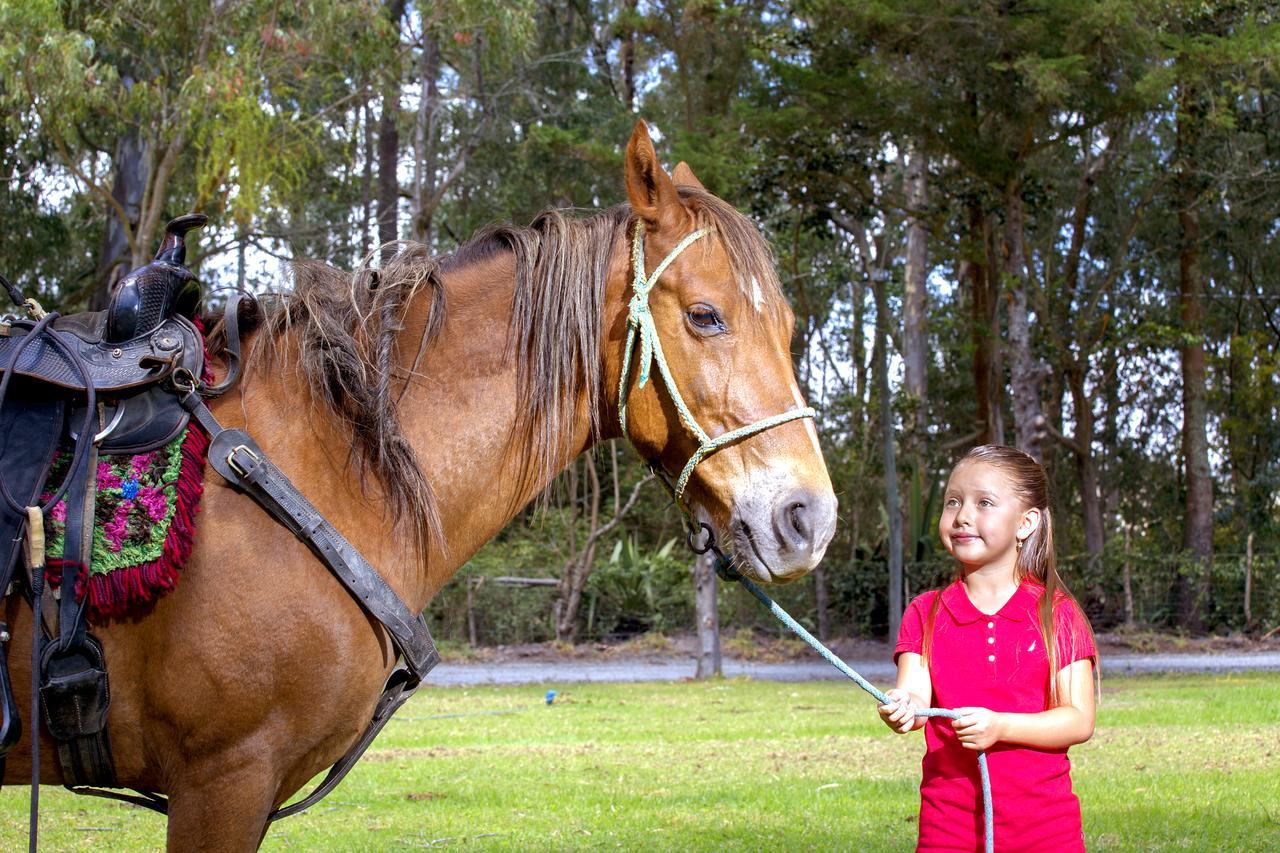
[
  {"x": 800, "y": 521},
  {"x": 793, "y": 523}
]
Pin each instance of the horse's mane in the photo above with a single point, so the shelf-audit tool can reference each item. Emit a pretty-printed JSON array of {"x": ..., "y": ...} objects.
[{"x": 346, "y": 324}]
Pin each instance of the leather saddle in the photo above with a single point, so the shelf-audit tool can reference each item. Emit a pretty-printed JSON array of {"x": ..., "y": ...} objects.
[
  {"x": 100, "y": 383},
  {"x": 140, "y": 340}
]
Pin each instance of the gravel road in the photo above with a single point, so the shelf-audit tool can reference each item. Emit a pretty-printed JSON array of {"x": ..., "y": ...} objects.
[{"x": 678, "y": 668}]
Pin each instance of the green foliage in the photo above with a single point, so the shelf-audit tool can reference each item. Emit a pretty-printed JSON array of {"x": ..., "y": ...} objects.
[
  {"x": 800, "y": 114},
  {"x": 639, "y": 590}
]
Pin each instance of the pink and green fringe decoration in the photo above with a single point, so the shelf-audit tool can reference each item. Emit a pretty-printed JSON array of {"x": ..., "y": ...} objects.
[{"x": 144, "y": 524}]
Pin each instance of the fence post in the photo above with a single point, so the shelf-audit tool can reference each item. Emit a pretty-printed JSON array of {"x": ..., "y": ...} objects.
[
  {"x": 1248, "y": 581},
  {"x": 707, "y": 615},
  {"x": 1128, "y": 584}
]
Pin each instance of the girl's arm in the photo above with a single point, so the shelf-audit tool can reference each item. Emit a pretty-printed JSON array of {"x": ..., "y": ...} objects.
[
  {"x": 912, "y": 692},
  {"x": 1066, "y": 725}
]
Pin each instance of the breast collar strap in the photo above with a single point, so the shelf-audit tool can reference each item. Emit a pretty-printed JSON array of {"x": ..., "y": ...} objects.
[{"x": 640, "y": 326}]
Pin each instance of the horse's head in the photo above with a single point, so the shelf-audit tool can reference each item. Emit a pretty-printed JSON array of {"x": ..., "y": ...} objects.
[{"x": 709, "y": 375}]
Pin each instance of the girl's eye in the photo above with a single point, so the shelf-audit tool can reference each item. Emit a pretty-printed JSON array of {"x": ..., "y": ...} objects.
[
  {"x": 984, "y": 502},
  {"x": 952, "y": 502},
  {"x": 705, "y": 317}
]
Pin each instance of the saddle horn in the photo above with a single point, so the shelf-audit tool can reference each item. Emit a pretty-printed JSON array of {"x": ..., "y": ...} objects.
[{"x": 147, "y": 296}]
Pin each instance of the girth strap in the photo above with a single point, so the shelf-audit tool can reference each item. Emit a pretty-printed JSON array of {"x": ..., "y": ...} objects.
[
  {"x": 244, "y": 465},
  {"x": 399, "y": 687},
  {"x": 74, "y": 689}
]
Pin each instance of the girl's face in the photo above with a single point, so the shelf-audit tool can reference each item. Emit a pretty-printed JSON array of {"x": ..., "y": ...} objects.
[{"x": 982, "y": 517}]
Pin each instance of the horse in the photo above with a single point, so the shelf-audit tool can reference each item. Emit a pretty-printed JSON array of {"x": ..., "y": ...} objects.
[{"x": 420, "y": 407}]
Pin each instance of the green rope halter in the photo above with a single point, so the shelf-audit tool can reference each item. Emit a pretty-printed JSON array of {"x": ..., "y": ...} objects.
[{"x": 641, "y": 327}]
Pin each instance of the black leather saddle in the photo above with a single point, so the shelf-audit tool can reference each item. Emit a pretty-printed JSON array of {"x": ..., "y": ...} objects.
[
  {"x": 95, "y": 383},
  {"x": 140, "y": 340}
]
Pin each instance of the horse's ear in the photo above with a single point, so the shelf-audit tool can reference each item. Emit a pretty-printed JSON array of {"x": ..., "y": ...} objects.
[
  {"x": 650, "y": 189},
  {"x": 683, "y": 176}
]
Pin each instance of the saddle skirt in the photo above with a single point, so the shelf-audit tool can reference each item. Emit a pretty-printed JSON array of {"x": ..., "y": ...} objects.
[{"x": 144, "y": 525}]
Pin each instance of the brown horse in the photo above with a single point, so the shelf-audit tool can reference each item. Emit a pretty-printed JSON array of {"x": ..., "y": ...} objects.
[{"x": 482, "y": 374}]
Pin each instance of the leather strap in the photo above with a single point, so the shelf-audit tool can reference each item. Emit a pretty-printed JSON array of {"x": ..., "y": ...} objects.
[
  {"x": 399, "y": 687},
  {"x": 77, "y": 546},
  {"x": 237, "y": 457},
  {"x": 231, "y": 348}
]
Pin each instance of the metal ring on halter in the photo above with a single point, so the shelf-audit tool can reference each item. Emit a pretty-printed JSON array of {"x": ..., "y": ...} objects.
[{"x": 703, "y": 527}]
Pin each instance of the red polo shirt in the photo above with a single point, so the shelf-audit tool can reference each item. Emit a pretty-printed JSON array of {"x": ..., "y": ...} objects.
[{"x": 994, "y": 661}]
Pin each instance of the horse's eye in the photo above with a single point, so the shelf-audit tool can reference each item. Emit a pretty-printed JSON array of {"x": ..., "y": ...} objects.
[{"x": 705, "y": 317}]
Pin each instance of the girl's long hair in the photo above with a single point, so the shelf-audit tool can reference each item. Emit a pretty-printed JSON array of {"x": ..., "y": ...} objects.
[{"x": 1036, "y": 558}]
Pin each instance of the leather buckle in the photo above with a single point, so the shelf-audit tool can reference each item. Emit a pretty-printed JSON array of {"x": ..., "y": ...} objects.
[{"x": 236, "y": 466}]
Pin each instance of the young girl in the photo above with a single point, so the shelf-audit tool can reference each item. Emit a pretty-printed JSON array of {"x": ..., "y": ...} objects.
[{"x": 1008, "y": 647}]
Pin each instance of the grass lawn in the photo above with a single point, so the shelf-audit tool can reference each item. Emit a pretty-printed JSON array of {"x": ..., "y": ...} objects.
[{"x": 1186, "y": 763}]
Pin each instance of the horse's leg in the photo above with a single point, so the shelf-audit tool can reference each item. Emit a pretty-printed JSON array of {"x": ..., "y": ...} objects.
[{"x": 224, "y": 812}]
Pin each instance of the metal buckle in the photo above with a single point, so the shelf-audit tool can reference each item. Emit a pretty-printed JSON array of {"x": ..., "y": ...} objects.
[
  {"x": 237, "y": 467},
  {"x": 184, "y": 380}
]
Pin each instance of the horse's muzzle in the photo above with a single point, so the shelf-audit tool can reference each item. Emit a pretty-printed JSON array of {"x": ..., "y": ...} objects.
[{"x": 783, "y": 538}]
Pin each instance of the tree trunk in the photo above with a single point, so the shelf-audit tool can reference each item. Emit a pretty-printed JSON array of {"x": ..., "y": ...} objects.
[
  {"x": 425, "y": 141},
  {"x": 892, "y": 500},
  {"x": 1086, "y": 466},
  {"x": 984, "y": 326},
  {"x": 1248, "y": 581},
  {"x": 857, "y": 347},
  {"x": 115, "y": 256},
  {"x": 1025, "y": 372},
  {"x": 389, "y": 149},
  {"x": 577, "y": 568},
  {"x": 1197, "y": 538},
  {"x": 1128, "y": 581},
  {"x": 914, "y": 345},
  {"x": 366, "y": 179},
  {"x": 822, "y": 601},
  {"x": 708, "y": 616},
  {"x": 628, "y": 54}
]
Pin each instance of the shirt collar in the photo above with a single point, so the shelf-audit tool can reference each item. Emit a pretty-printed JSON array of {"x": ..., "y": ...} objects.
[{"x": 1016, "y": 609}]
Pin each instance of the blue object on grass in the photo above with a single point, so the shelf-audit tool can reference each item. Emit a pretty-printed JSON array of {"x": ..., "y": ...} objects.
[{"x": 551, "y": 696}]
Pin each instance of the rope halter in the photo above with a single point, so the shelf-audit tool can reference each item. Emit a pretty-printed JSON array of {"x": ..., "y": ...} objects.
[{"x": 641, "y": 327}]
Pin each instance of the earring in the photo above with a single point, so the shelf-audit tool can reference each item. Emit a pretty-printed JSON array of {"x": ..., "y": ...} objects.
[{"x": 1021, "y": 542}]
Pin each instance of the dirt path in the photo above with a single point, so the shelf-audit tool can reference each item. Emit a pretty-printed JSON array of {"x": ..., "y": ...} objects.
[{"x": 676, "y": 668}]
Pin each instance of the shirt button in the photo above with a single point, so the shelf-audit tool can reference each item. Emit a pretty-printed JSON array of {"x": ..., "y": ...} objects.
[
  {"x": 991, "y": 658},
  {"x": 991, "y": 624},
  {"x": 991, "y": 640}
]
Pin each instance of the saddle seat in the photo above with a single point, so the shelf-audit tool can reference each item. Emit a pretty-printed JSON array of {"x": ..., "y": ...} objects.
[{"x": 139, "y": 341}]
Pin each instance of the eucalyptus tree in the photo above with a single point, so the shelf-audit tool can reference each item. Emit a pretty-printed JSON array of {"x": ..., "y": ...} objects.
[{"x": 153, "y": 107}]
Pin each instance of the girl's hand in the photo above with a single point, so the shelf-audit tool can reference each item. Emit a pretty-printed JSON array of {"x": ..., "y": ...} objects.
[
  {"x": 978, "y": 728},
  {"x": 900, "y": 712}
]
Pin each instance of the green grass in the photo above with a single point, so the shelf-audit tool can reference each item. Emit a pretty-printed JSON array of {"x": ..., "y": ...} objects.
[{"x": 1187, "y": 763}]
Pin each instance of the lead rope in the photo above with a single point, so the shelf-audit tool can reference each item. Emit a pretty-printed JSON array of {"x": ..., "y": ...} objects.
[{"x": 724, "y": 568}]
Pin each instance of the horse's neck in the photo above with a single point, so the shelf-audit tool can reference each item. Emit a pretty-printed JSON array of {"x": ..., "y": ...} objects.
[{"x": 459, "y": 412}]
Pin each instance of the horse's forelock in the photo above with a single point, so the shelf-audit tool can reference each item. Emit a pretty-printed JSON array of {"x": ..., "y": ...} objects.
[{"x": 751, "y": 260}]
